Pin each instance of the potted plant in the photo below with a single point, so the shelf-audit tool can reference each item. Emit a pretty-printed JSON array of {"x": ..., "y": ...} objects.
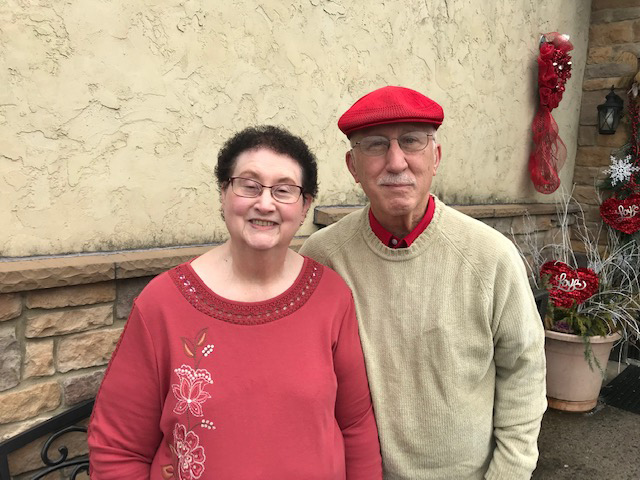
[{"x": 593, "y": 303}]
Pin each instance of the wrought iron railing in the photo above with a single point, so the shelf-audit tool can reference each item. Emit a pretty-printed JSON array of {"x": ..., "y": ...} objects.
[
  {"x": 58, "y": 427},
  {"x": 541, "y": 297}
]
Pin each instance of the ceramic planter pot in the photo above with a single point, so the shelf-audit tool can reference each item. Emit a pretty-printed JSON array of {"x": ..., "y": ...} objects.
[{"x": 571, "y": 384}]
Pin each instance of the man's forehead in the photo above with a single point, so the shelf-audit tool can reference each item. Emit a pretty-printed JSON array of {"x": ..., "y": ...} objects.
[{"x": 393, "y": 128}]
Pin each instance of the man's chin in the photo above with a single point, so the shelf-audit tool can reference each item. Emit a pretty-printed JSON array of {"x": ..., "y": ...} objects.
[{"x": 398, "y": 209}]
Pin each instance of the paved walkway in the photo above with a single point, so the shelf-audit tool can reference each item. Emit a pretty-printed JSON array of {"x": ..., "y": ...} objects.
[{"x": 600, "y": 445}]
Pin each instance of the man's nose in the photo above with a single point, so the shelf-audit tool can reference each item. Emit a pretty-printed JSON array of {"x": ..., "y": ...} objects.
[{"x": 396, "y": 161}]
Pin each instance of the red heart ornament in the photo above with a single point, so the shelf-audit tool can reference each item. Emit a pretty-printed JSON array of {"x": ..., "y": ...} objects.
[
  {"x": 623, "y": 215},
  {"x": 568, "y": 286}
]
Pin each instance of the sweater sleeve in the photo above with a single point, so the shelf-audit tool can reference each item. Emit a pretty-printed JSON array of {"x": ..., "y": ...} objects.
[
  {"x": 520, "y": 392},
  {"x": 313, "y": 248},
  {"x": 354, "y": 411},
  {"x": 124, "y": 433}
]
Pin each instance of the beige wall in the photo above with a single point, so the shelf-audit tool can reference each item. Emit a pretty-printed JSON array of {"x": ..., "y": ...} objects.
[{"x": 112, "y": 112}]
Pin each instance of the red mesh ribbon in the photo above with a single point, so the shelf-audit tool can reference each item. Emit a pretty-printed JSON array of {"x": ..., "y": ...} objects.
[{"x": 549, "y": 152}]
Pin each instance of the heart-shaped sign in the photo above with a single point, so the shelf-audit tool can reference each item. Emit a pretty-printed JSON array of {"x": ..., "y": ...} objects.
[
  {"x": 623, "y": 215},
  {"x": 568, "y": 286}
]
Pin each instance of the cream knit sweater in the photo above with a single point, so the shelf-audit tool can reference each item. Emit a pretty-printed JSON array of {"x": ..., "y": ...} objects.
[{"x": 453, "y": 346}]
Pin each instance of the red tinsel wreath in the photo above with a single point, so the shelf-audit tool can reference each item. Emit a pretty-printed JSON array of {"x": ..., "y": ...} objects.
[
  {"x": 568, "y": 286},
  {"x": 549, "y": 153}
]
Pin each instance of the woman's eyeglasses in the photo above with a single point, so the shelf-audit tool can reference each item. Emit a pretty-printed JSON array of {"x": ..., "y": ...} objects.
[{"x": 248, "y": 188}]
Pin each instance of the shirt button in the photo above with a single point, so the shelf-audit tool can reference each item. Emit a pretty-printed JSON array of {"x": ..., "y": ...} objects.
[{"x": 394, "y": 242}]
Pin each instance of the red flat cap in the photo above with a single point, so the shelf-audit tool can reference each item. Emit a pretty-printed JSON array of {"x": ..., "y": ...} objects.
[{"x": 390, "y": 105}]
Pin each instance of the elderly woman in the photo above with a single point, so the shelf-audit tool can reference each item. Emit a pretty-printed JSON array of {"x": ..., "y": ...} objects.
[{"x": 244, "y": 363}]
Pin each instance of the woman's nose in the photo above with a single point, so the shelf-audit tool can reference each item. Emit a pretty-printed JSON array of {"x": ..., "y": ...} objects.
[{"x": 265, "y": 200}]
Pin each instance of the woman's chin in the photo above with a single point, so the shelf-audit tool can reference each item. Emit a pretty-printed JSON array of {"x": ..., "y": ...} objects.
[{"x": 264, "y": 241}]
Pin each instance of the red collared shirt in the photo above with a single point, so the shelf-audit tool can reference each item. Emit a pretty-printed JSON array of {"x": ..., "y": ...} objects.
[{"x": 391, "y": 240}]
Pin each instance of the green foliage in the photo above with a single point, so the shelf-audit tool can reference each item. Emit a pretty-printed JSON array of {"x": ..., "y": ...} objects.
[{"x": 569, "y": 320}]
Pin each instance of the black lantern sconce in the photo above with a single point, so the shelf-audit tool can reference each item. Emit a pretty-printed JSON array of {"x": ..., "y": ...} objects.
[{"x": 609, "y": 114}]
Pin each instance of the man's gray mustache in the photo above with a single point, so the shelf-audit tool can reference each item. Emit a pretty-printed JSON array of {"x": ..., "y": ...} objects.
[{"x": 396, "y": 180}]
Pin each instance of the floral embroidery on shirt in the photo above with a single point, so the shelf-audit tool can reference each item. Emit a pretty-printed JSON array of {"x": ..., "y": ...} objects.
[
  {"x": 188, "y": 456},
  {"x": 190, "y": 393},
  {"x": 190, "y": 453}
]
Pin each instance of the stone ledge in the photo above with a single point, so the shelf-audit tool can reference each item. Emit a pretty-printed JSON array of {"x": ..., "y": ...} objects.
[
  {"x": 153, "y": 262},
  {"x": 618, "y": 4},
  {"x": 325, "y": 215},
  {"x": 612, "y": 14},
  {"x": 61, "y": 271},
  {"x": 54, "y": 272}
]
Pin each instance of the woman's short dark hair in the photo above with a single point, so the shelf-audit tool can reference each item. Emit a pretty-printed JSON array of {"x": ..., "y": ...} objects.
[{"x": 276, "y": 139}]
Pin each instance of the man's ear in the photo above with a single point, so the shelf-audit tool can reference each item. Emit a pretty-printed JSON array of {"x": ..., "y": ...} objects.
[
  {"x": 350, "y": 161},
  {"x": 436, "y": 160}
]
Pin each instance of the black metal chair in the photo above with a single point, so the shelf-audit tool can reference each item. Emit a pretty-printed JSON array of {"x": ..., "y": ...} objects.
[
  {"x": 541, "y": 297},
  {"x": 57, "y": 426}
]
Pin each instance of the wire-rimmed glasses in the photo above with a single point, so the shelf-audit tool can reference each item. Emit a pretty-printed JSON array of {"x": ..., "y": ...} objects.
[{"x": 377, "y": 145}]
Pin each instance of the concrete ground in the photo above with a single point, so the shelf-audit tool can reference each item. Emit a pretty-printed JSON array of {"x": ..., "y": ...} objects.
[{"x": 603, "y": 444}]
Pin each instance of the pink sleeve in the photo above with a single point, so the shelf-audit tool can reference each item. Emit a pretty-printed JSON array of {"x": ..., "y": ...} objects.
[
  {"x": 124, "y": 432},
  {"x": 354, "y": 412}
]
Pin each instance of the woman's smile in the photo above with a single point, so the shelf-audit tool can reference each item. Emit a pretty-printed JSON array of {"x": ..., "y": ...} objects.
[{"x": 263, "y": 223}]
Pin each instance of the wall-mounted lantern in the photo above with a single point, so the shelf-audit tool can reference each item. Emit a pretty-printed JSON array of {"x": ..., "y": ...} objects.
[{"x": 609, "y": 114}]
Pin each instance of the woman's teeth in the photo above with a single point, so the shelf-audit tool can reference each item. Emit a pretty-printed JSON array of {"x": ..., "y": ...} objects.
[{"x": 263, "y": 223}]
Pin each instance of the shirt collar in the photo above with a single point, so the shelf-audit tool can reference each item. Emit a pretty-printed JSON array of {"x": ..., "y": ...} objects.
[{"x": 391, "y": 240}]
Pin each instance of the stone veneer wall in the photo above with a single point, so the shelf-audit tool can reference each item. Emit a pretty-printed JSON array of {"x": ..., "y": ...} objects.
[
  {"x": 614, "y": 48},
  {"x": 60, "y": 318}
]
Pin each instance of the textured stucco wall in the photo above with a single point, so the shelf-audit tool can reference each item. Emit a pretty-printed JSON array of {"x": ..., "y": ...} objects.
[{"x": 112, "y": 112}]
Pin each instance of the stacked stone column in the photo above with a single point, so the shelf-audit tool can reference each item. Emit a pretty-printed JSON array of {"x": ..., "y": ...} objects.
[{"x": 612, "y": 60}]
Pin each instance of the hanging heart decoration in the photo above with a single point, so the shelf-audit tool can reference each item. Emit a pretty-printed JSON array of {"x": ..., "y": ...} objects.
[
  {"x": 622, "y": 215},
  {"x": 568, "y": 286}
]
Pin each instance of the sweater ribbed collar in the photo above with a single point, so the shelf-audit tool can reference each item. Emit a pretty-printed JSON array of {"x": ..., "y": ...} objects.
[{"x": 418, "y": 246}]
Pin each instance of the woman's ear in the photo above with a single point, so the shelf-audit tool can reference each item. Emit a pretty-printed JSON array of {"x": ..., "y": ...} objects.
[
  {"x": 307, "y": 200},
  {"x": 223, "y": 197}
]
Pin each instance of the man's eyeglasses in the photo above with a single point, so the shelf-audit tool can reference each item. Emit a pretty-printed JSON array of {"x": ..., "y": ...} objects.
[
  {"x": 248, "y": 188},
  {"x": 377, "y": 145}
]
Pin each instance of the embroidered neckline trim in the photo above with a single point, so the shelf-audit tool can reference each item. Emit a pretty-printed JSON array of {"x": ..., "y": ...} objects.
[{"x": 247, "y": 313}]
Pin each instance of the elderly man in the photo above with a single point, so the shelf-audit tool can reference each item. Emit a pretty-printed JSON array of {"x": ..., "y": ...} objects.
[{"x": 449, "y": 327}]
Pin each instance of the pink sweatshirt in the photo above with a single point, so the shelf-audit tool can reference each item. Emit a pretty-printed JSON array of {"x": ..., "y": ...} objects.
[{"x": 201, "y": 387}]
